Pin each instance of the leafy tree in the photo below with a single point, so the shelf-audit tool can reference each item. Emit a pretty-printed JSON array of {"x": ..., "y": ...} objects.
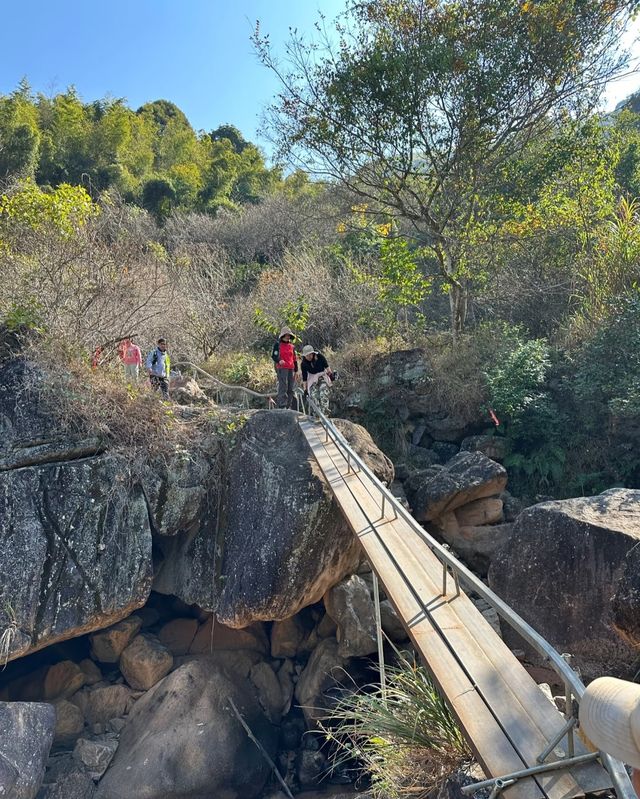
[
  {"x": 421, "y": 102},
  {"x": 158, "y": 197},
  {"x": 232, "y": 134}
]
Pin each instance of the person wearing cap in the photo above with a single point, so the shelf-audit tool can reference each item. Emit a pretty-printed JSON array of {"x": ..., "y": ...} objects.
[
  {"x": 286, "y": 363},
  {"x": 316, "y": 375}
]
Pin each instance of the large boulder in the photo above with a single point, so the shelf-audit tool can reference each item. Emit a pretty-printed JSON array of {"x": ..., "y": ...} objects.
[
  {"x": 561, "y": 566},
  {"x": 75, "y": 550},
  {"x": 286, "y": 542},
  {"x": 466, "y": 477},
  {"x": 184, "y": 740},
  {"x": 27, "y": 734},
  {"x": 321, "y": 676}
]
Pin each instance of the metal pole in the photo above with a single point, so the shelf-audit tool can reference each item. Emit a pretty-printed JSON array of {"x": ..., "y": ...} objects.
[
  {"x": 568, "y": 709},
  {"x": 568, "y": 727},
  {"x": 376, "y": 601},
  {"x": 529, "y": 772}
]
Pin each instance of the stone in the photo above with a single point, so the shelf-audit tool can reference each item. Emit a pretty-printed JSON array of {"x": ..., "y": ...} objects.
[
  {"x": 28, "y": 729},
  {"x": 321, "y": 674},
  {"x": 91, "y": 671},
  {"x": 494, "y": 447},
  {"x": 95, "y": 755},
  {"x": 444, "y": 451},
  {"x": 466, "y": 477},
  {"x": 626, "y": 599},
  {"x": 487, "y": 510},
  {"x": 186, "y": 391},
  {"x": 350, "y": 605},
  {"x": 559, "y": 569},
  {"x": 511, "y": 506},
  {"x": 327, "y": 627},
  {"x": 75, "y": 785},
  {"x": 286, "y": 542},
  {"x": 63, "y": 680},
  {"x": 477, "y": 545},
  {"x": 391, "y": 623},
  {"x": 105, "y": 703},
  {"x": 184, "y": 740},
  {"x": 285, "y": 678},
  {"x": 178, "y": 634},
  {"x": 287, "y": 637},
  {"x": 144, "y": 662},
  {"x": 237, "y": 662},
  {"x": 69, "y": 723},
  {"x": 269, "y": 690},
  {"x": 252, "y": 637},
  {"x": 311, "y": 766},
  {"x": 107, "y": 645}
]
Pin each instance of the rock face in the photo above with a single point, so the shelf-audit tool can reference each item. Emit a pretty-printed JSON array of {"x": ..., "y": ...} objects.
[
  {"x": 466, "y": 477},
  {"x": 560, "y": 567},
  {"x": 285, "y": 542},
  {"x": 183, "y": 740},
  {"x": 27, "y": 734},
  {"x": 75, "y": 550}
]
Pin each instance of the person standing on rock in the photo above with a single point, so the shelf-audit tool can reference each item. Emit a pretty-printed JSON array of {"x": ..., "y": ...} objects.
[
  {"x": 159, "y": 367},
  {"x": 286, "y": 363},
  {"x": 316, "y": 377},
  {"x": 132, "y": 359}
]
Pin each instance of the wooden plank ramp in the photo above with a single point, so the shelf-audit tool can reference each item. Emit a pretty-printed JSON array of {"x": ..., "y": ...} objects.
[{"x": 505, "y": 717}]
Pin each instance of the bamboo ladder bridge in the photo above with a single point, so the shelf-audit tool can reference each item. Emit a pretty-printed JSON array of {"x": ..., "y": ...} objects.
[{"x": 526, "y": 747}]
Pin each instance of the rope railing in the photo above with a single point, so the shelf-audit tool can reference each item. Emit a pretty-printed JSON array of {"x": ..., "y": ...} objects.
[
  {"x": 248, "y": 392},
  {"x": 574, "y": 687}
]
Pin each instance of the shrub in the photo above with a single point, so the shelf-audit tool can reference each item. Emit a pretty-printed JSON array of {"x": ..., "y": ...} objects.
[{"x": 406, "y": 740}]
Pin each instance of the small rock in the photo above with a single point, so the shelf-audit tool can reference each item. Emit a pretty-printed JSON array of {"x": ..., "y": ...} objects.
[
  {"x": 178, "y": 634},
  {"x": 95, "y": 756},
  {"x": 106, "y": 703},
  {"x": 69, "y": 723},
  {"x": 92, "y": 673},
  {"x": 269, "y": 690},
  {"x": 285, "y": 678},
  {"x": 116, "y": 725},
  {"x": 310, "y": 767},
  {"x": 487, "y": 510},
  {"x": 144, "y": 662},
  {"x": 223, "y": 637},
  {"x": 287, "y": 637},
  {"x": 350, "y": 605},
  {"x": 322, "y": 673},
  {"x": 107, "y": 645},
  {"x": 327, "y": 627},
  {"x": 63, "y": 680},
  {"x": 75, "y": 785}
]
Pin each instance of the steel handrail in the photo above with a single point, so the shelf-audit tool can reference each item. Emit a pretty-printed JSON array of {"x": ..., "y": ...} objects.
[{"x": 571, "y": 680}]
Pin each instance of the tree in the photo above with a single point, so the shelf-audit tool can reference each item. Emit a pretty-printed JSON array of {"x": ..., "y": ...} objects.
[{"x": 420, "y": 103}]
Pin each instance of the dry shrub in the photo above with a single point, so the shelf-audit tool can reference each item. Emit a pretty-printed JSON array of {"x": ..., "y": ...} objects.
[{"x": 244, "y": 369}]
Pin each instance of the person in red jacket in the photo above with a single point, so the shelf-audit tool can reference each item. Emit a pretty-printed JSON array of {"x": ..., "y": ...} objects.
[{"x": 286, "y": 363}]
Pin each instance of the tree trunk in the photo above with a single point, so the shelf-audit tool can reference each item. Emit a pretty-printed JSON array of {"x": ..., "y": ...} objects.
[{"x": 458, "y": 300}]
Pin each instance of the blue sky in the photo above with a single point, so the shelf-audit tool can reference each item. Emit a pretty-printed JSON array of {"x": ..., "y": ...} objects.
[{"x": 195, "y": 53}]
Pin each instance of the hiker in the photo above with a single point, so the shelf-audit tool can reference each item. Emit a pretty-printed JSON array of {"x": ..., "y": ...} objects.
[
  {"x": 316, "y": 377},
  {"x": 96, "y": 357},
  {"x": 158, "y": 367},
  {"x": 131, "y": 357},
  {"x": 286, "y": 363}
]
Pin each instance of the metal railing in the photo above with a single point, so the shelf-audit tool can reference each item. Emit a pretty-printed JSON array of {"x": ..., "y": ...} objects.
[{"x": 574, "y": 687}]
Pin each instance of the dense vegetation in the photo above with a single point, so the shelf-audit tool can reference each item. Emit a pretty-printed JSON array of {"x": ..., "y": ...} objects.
[{"x": 452, "y": 198}]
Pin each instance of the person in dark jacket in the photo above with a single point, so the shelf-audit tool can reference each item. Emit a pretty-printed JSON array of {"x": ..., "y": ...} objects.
[
  {"x": 316, "y": 377},
  {"x": 286, "y": 363}
]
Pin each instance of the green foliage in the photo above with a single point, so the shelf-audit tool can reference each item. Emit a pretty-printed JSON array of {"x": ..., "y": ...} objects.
[
  {"x": 516, "y": 383},
  {"x": 294, "y": 314},
  {"x": 406, "y": 740},
  {"x": 26, "y": 315}
]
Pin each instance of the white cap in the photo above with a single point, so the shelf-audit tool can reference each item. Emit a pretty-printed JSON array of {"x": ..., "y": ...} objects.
[{"x": 610, "y": 718}]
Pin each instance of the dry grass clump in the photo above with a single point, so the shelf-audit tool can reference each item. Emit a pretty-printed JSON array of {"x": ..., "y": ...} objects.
[{"x": 406, "y": 741}]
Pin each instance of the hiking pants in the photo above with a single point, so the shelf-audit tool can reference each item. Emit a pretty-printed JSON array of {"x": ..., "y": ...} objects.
[
  {"x": 160, "y": 384},
  {"x": 285, "y": 388},
  {"x": 319, "y": 393}
]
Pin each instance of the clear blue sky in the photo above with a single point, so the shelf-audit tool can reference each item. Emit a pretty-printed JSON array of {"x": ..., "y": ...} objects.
[{"x": 195, "y": 53}]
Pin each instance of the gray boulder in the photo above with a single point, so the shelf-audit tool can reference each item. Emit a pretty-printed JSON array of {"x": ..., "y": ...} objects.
[
  {"x": 560, "y": 568},
  {"x": 323, "y": 672},
  {"x": 466, "y": 477},
  {"x": 75, "y": 550},
  {"x": 27, "y": 734},
  {"x": 183, "y": 740},
  {"x": 286, "y": 542},
  {"x": 350, "y": 605}
]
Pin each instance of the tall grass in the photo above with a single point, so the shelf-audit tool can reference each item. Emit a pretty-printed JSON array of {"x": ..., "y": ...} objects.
[{"x": 406, "y": 740}]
